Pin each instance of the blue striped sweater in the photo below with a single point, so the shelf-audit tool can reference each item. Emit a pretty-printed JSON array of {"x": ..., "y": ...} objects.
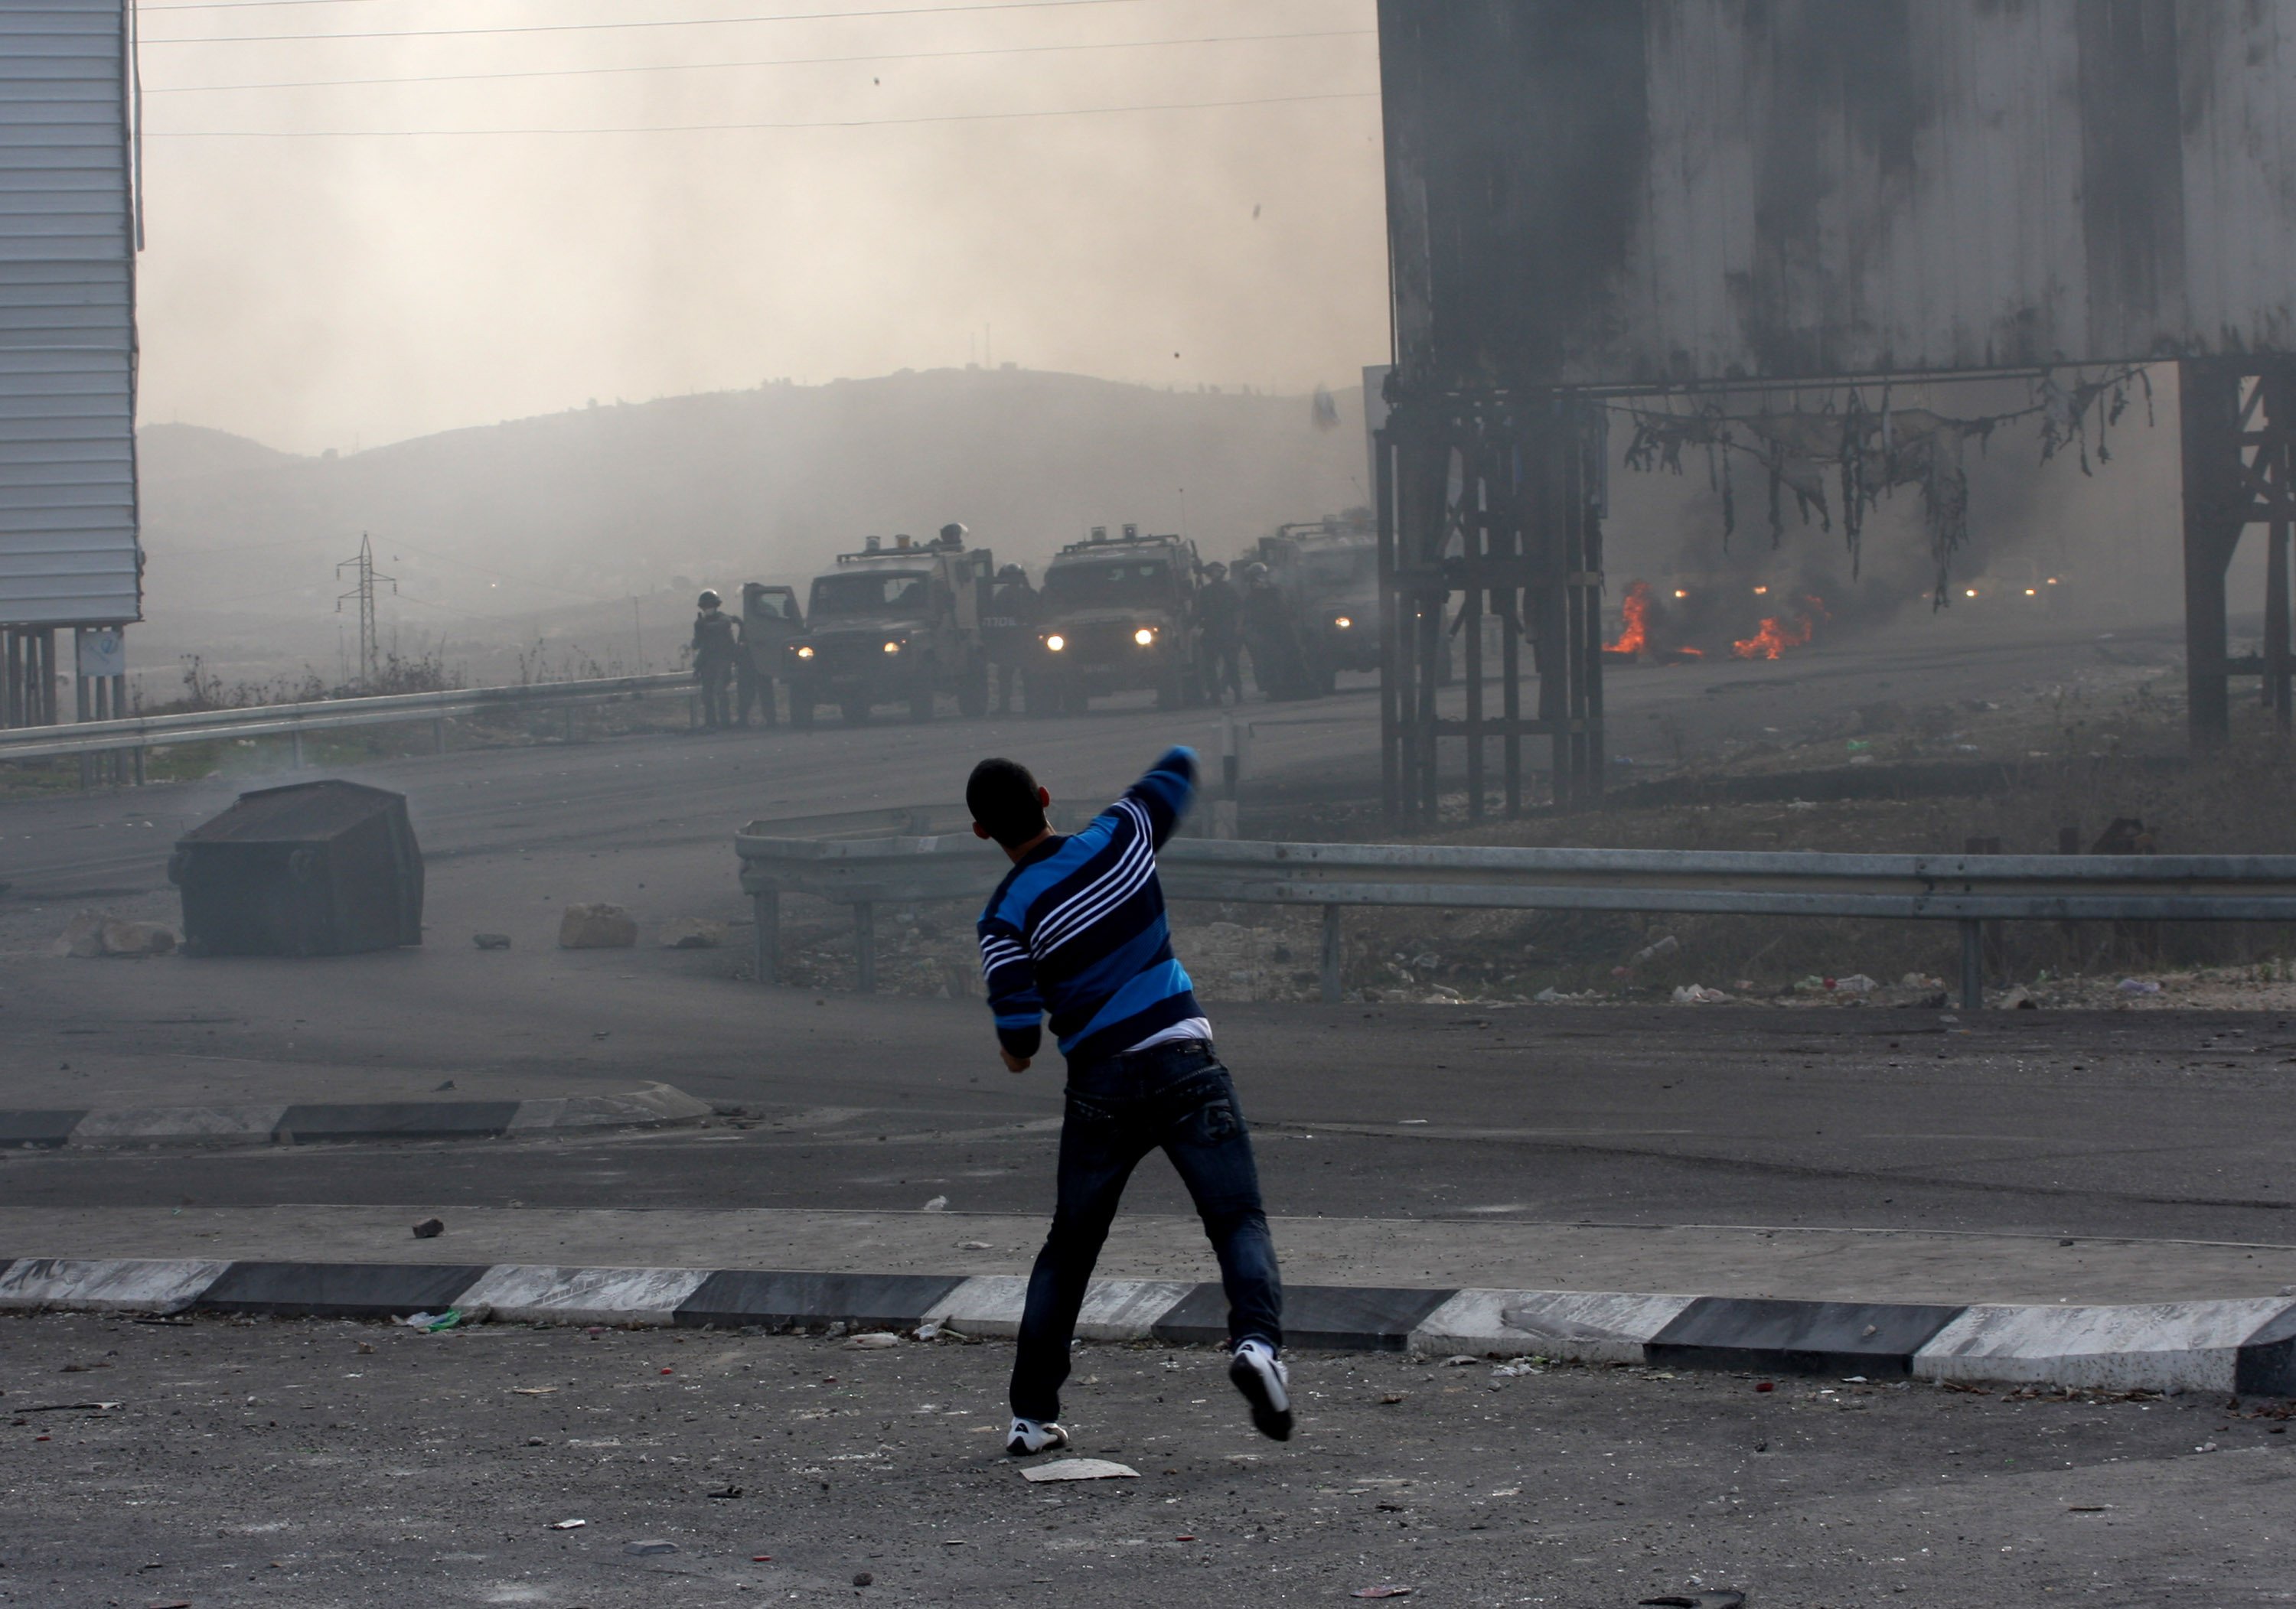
[{"x": 1076, "y": 929}]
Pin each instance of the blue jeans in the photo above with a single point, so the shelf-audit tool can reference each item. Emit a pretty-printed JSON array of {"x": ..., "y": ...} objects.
[{"x": 1178, "y": 1098}]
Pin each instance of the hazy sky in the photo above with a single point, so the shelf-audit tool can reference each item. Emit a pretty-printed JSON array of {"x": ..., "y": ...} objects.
[{"x": 317, "y": 291}]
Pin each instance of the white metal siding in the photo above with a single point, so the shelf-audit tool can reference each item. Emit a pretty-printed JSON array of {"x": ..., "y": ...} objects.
[{"x": 69, "y": 554}]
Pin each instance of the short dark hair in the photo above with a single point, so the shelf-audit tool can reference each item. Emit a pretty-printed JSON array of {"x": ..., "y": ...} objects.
[{"x": 1002, "y": 796}]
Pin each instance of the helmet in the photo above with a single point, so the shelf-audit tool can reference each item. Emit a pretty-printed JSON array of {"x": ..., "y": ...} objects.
[
  {"x": 750, "y": 589},
  {"x": 1255, "y": 571},
  {"x": 953, "y": 535},
  {"x": 1216, "y": 569},
  {"x": 1011, "y": 572},
  {"x": 708, "y": 599}
]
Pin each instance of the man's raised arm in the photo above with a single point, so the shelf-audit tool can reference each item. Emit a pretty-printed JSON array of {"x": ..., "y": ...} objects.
[{"x": 1166, "y": 792}]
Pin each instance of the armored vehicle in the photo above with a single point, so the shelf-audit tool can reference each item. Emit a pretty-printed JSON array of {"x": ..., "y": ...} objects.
[
  {"x": 1116, "y": 613},
  {"x": 1327, "y": 573},
  {"x": 894, "y": 625}
]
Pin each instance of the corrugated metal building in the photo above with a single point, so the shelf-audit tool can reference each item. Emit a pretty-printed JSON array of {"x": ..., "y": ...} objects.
[
  {"x": 68, "y": 549},
  {"x": 1661, "y": 191}
]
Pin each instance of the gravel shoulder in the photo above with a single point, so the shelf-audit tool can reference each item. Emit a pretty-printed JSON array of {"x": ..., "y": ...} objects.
[{"x": 319, "y": 1464}]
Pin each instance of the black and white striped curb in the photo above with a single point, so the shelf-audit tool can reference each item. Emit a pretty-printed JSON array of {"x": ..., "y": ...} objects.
[
  {"x": 309, "y": 1122},
  {"x": 2245, "y": 1346}
]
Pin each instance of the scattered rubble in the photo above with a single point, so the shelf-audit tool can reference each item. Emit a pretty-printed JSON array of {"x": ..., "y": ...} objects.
[
  {"x": 695, "y": 933},
  {"x": 96, "y": 935},
  {"x": 597, "y": 928},
  {"x": 1081, "y": 1469}
]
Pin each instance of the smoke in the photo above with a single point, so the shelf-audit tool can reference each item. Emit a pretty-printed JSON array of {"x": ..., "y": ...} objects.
[
  {"x": 314, "y": 291},
  {"x": 2112, "y": 537}
]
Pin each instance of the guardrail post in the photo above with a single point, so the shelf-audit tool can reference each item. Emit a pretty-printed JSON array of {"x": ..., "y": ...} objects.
[
  {"x": 1330, "y": 955},
  {"x": 140, "y": 753},
  {"x": 1973, "y": 966},
  {"x": 865, "y": 946},
  {"x": 765, "y": 937},
  {"x": 296, "y": 737},
  {"x": 439, "y": 735}
]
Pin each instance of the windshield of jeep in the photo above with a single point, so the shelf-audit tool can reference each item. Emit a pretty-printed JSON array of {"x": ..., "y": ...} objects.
[
  {"x": 869, "y": 592},
  {"x": 1087, "y": 583},
  {"x": 1337, "y": 569}
]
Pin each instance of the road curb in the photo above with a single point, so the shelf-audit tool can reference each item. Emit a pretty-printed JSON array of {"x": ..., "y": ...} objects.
[
  {"x": 2246, "y": 1347},
  {"x": 310, "y": 1123}
]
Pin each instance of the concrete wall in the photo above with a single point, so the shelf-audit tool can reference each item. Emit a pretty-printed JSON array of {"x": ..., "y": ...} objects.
[{"x": 1673, "y": 191}]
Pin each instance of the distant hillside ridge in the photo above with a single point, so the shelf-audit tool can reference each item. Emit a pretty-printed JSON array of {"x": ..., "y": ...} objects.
[{"x": 615, "y": 500}]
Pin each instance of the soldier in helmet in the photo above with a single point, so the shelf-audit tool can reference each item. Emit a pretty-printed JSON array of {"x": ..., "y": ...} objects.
[
  {"x": 716, "y": 648},
  {"x": 1219, "y": 625},
  {"x": 1270, "y": 634},
  {"x": 1009, "y": 631}
]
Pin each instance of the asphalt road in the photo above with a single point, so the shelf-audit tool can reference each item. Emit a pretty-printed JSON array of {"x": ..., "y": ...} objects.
[
  {"x": 2121, "y": 1124},
  {"x": 477, "y": 812},
  {"x": 2169, "y": 1124},
  {"x": 320, "y": 1465}
]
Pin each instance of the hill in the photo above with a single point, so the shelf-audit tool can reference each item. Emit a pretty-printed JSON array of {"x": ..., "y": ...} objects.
[{"x": 548, "y": 528}]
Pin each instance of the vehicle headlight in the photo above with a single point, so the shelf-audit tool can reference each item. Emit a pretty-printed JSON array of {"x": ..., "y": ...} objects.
[
  {"x": 805, "y": 653},
  {"x": 1344, "y": 622},
  {"x": 1145, "y": 635},
  {"x": 2032, "y": 592},
  {"x": 892, "y": 647},
  {"x": 1969, "y": 593},
  {"x": 1056, "y": 642}
]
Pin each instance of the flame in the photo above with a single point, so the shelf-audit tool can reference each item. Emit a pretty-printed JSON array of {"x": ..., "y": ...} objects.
[
  {"x": 1779, "y": 633},
  {"x": 1635, "y": 607}
]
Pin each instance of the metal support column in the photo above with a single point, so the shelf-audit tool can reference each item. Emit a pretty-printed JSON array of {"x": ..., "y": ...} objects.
[
  {"x": 1973, "y": 966},
  {"x": 2239, "y": 447},
  {"x": 1332, "y": 955},
  {"x": 1490, "y": 508},
  {"x": 865, "y": 947},
  {"x": 766, "y": 936}
]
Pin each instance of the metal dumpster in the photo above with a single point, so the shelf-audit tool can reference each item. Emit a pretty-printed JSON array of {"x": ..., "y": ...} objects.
[{"x": 325, "y": 868}]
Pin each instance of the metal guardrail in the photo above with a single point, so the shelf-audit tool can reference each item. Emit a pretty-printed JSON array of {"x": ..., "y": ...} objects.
[
  {"x": 1970, "y": 890},
  {"x": 142, "y": 733}
]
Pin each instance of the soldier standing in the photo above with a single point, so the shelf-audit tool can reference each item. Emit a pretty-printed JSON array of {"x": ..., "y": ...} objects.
[
  {"x": 1010, "y": 630},
  {"x": 1219, "y": 625},
  {"x": 1268, "y": 632},
  {"x": 716, "y": 648}
]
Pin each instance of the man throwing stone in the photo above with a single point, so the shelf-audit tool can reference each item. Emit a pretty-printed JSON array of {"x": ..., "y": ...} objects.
[{"x": 1076, "y": 930}]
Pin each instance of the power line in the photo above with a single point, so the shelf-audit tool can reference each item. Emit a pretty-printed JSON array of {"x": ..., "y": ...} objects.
[
  {"x": 903, "y": 55},
  {"x": 575, "y": 28},
  {"x": 233, "y": 6},
  {"x": 976, "y": 117}
]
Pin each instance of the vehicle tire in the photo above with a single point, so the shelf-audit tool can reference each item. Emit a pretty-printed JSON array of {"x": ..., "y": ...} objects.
[
  {"x": 921, "y": 703},
  {"x": 972, "y": 693},
  {"x": 856, "y": 711},
  {"x": 800, "y": 710}
]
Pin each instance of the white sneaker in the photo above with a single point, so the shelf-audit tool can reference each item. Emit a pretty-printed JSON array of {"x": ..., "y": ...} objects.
[
  {"x": 1034, "y": 1435},
  {"x": 1266, "y": 1384}
]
